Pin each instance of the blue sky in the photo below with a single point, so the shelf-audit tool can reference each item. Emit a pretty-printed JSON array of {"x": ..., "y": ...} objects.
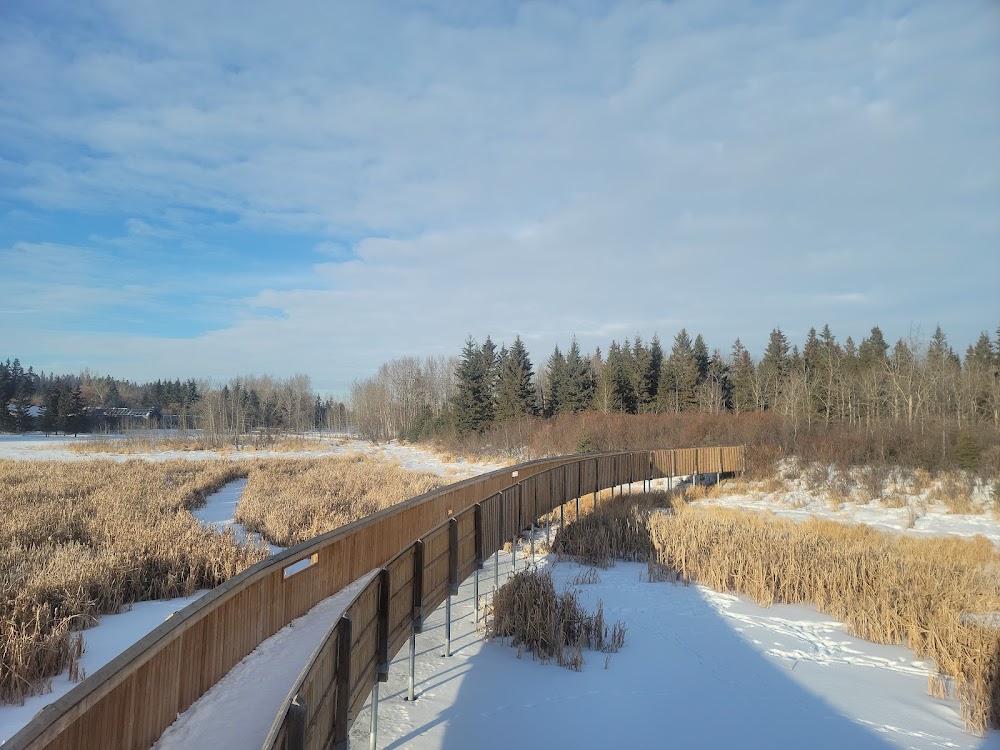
[{"x": 194, "y": 189}]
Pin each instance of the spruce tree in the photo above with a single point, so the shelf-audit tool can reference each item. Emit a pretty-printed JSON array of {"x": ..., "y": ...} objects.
[
  {"x": 515, "y": 391},
  {"x": 679, "y": 382},
  {"x": 774, "y": 367},
  {"x": 578, "y": 384},
  {"x": 700, "y": 350},
  {"x": 472, "y": 404},
  {"x": 743, "y": 377},
  {"x": 557, "y": 375},
  {"x": 652, "y": 374},
  {"x": 622, "y": 394}
]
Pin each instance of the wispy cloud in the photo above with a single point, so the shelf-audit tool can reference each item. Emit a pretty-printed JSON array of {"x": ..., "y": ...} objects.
[{"x": 390, "y": 179}]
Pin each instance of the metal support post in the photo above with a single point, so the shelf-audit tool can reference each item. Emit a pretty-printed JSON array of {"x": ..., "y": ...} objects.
[
  {"x": 496, "y": 569},
  {"x": 447, "y": 626},
  {"x": 532, "y": 542},
  {"x": 475, "y": 594},
  {"x": 373, "y": 731},
  {"x": 548, "y": 526},
  {"x": 411, "y": 695}
]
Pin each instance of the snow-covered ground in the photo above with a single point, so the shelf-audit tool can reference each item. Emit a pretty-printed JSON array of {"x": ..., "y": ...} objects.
[
  {"x": 698, "y": 669},
  {"x": 901, "y": 511},
  {"x": 37, "y": 447}
]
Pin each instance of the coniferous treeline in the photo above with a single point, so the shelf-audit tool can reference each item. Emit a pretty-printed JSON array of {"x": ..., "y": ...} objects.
[
  {"x": 825, "y": 382},
  {"x": 83, "y": 402}
]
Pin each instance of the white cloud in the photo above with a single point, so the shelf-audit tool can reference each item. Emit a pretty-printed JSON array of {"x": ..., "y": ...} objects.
[{"x": 545, "y": 171}]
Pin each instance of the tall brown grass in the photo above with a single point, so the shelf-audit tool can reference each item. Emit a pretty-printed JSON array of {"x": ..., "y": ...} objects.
[
  {"x": 191, "y": 442},
  {"x": 616, "y": 531},
  {"x": 885, "y": 588},
  {"x": 291, "y": 500},
  {"x": 81, "y": 539}
]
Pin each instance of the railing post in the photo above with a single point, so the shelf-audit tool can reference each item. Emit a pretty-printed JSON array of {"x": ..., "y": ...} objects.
[
  {"x": 478, "y": 520},
  {"x": 382, "y": 643},
  {"x": 296, "y": 724},
  {"x": 496, "y": 554},
  {"x": 373, "y": 728},
  {"x": 417, "y": 622},
  {"x": 341, "y": 725},
  {"x": 532, "y": 542},
  {"x": 452, "y": 580}
]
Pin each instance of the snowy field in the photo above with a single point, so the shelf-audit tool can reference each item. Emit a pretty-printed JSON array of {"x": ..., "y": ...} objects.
[
  {"x": 38, "y": 447},
  {"x": 902, "y": 511},
  {"x": 699, "y": 669}
]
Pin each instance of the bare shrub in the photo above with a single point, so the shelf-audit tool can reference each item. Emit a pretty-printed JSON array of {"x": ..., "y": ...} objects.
[
  {"x": 885, "y": 588},
  {"x": 551, "y": 626}
]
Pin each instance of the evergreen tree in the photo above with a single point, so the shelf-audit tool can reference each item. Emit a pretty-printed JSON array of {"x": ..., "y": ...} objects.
[
  {"x": 473, "y": 400},
  {"x": 515, "y": 391},
  {"x": 700, "y": 350},
  {"x": 743, "y": 378},
  {"x": 680, "y": 376},
  {"x": 578, "y": 385},
  {"x": 652, "y": 375},
  {"x": 50, "y": 411},
  {"x": 774, "y": 367},
  {"x": 557, "y": 375},
  {"x": 641, "y": 366},
  {"x": 622, "y": 394}
]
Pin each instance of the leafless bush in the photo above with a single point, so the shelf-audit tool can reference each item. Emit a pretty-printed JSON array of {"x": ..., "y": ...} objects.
[{"x": 529, "y": 612}]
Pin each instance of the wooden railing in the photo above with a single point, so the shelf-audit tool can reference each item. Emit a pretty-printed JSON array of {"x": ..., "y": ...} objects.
[{"x": 423, "y": 548}]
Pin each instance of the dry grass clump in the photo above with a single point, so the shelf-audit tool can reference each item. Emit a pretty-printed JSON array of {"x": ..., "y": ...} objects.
[
  {"x": 886, "y": 588},
  {"x": 529, "y": 612},
  {"x": 954, "y": 491},
  {"x": 82, "y": 539},
  {"x": 615, "y": 531},
  {"x": 291, "y": 500}
]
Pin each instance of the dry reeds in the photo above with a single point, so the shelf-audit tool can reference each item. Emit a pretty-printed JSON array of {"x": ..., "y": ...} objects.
[
  {"x": 81, "y": 539},
  {"x": 141, "y": 443},
  {"x": 615, "y": 531},
  {"x": 885, "y": 588},
  {"x": 529, "y": 612},
  {"x": 291, "y": 500}
]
